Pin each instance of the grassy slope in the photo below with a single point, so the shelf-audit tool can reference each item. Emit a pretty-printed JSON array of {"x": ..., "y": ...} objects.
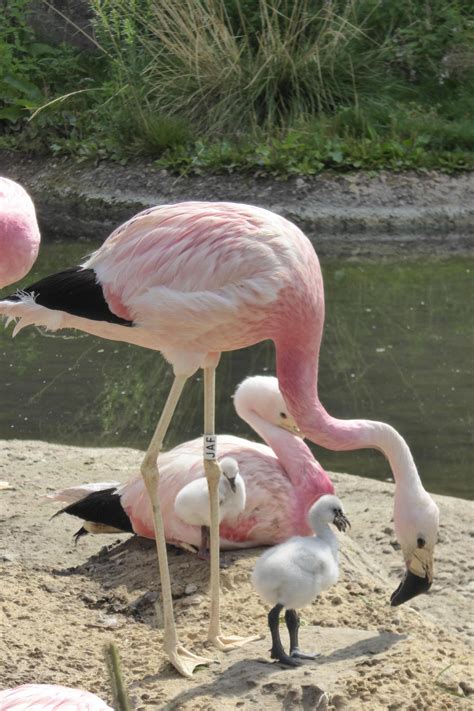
[{"x": 239, "y": 85}]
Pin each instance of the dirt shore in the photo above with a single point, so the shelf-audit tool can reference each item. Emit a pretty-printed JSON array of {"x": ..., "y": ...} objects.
[
  {"x": 401, "y": 215},
  {"x": 62, "y": 603}
]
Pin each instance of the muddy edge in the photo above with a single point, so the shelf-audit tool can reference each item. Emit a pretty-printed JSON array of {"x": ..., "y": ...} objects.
[{"x": 398, "y": 215}]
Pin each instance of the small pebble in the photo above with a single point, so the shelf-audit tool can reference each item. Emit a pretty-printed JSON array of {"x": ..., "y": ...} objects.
[
  {"x": 144, "y": 601},
  {"x": 336, "y": 600},
  {"x": 450, "y": 683},
  {"x": 50, "y": 588},
  {"x": 339, "y": 701},
  {"x": 190, "y": 589},
  {"x": 467, "y": 687},
  {"x": 108, "y": 621},
  {"x": 7, "y": 557},
  {"x": 192, "y": 600}
]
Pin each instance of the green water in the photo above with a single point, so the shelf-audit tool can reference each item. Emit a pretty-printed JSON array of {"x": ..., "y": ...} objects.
[{"x": 398, "y": 347}]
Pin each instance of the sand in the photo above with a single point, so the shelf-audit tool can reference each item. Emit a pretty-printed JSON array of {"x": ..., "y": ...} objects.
[{"x": 62, "y": 603}]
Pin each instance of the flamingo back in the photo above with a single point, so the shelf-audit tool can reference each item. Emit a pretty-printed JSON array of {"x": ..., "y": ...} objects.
[
  {"x": 50, "y": 697},
  {"x": 268, "y": 516},
  {"x": 211, "y": 270}
]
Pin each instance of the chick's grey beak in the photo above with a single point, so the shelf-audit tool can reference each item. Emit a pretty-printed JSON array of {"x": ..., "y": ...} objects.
[
  {"x": 232, "y": 484},
  {"x": 341, "y": 522}
]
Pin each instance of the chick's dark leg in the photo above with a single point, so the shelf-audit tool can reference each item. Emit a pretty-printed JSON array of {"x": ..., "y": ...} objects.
[
  {"x": 277, "y": 651},
  {"x": 203, "y": 552},
  {"x": 292, "y": 620}
]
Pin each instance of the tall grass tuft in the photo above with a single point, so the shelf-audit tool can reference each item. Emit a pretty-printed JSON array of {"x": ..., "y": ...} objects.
[
  {"x": 197, "y": 63},
  {"x": 284, "y": 86},
  {"x": 119, "y": 691}
]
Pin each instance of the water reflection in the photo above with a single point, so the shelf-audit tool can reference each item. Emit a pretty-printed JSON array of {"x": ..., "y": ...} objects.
[{"x": 398, "y": 347}]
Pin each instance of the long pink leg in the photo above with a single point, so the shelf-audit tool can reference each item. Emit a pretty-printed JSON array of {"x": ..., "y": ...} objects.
[
  {"x": 213, "y": 473},
  {"x": 184, "y": 660}
]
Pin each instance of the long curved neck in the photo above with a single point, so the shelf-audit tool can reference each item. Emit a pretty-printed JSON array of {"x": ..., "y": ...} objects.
[
  {"x": 297, "y": 371},
  {"x": 323, "y": 531},
  {"x": 293, "y": 454}
]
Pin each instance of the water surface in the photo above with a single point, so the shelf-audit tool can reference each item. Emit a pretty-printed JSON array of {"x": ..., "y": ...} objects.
[{"x": 398, "y": 347}]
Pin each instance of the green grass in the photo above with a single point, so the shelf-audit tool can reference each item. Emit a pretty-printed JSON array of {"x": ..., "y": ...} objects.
[{"x": 278, "y": 87}]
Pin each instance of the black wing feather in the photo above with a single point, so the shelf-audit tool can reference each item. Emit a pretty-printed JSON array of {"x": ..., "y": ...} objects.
[
  {"x": 100, "y": 507},
  {"x": 75, "y": 291}
]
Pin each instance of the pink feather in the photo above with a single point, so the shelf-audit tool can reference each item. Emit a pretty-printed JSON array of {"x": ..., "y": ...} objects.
[
  {"x": 19, "y": 232},
  {"x": 282, "y": 478},
  {"x": 49, "y": 697}
]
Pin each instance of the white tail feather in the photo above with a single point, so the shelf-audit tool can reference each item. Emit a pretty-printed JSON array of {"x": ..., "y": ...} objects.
[{"x": 29, "y": 312}]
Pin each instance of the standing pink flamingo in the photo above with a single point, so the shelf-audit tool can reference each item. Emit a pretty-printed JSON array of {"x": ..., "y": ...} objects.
[
  {"x": 282, "y": 481},
  {"x": 50, "y": 697},
  {"x": 19, "y": 232},
  {"x": 197, "y": 278}
]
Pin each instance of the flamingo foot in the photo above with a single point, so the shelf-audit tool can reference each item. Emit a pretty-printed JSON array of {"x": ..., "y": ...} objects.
[
  {"x": 298, "y": 654},
  {"x": 283, "y": 658},
  {"x": 226, "y": 643},
  {"x": 185, "y": 661}
]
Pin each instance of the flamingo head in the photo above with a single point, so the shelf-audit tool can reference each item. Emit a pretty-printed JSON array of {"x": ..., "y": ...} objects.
[
  {"x": 416, "y": 519},
  {"x": 328, "y": 509},
  {"x": 261, "y": 394}
]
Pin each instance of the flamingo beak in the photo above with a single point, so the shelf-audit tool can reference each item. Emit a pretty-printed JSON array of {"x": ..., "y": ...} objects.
[
  {"x": 293, "y": 428},
  {"x": 231, "y": 481},
  {"x": 341, "y": 522},
  {"x": 417, "y": 579}
]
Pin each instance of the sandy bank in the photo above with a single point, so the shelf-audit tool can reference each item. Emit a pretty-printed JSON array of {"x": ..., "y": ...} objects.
[{"x": 63, "y": 602}]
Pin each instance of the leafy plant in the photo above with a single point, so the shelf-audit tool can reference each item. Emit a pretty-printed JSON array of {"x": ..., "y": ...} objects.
[
  {"x": 277, "y": 87},
  {"x": 34, "y": 75}
]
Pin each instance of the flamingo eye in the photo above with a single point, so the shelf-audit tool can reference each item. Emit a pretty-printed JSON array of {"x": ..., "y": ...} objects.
[{"x": 283, "y": 415}]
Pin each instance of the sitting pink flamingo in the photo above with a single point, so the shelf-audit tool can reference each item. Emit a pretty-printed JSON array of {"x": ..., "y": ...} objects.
[
  {"x": 19, "y": 232},
  {"x": 197, "y": 278},
  {"x": 50, "y": 697},
  {"x": 282, "y": 481}
]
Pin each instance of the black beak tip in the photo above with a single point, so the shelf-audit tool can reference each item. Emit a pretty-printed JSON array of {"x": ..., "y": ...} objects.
[
  {"x": 395, "y": 600},
  {"x": 411, "y": 586},
  {"x": 342, "y": 523}
]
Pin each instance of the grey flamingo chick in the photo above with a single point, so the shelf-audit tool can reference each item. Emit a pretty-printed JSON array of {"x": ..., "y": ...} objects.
[
  {"x": 193, "y": 507},
  {"x": 291, "y": 575}
]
